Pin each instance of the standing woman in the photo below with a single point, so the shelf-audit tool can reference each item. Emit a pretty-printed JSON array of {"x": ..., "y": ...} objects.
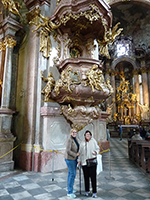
[
  {"x": 88, "y": 149},
  {"x": 71, "y": 155}
]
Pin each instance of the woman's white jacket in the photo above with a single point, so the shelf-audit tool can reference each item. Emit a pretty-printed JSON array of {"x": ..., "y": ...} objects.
[{"x": 87, "y": 149}]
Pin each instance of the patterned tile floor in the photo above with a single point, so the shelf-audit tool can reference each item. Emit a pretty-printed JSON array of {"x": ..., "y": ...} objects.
[{"x": 119, "y": 180}]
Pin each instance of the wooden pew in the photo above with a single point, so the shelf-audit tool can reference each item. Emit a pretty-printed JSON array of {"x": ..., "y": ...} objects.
[{"x": 139, "y": 153}]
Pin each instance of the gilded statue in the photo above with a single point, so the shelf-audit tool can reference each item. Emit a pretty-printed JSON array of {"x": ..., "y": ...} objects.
[
  {"x": 109, "y": 37},
  {"x": 123, "y": 85},
  {"x": 115, "y": 117},
  {"x": 47, "y": 27},
  {"x": 127, "y": 120},
  {"x": 12, "y": 6},
  {"x": 138, "y": 117},
  {"x": 66, "y": 81},
  {"x": 49, "y": 86},
  {"x": 144, "y": 110},
  {"x": 109, "y": 110},
  {"x": 109, "y": 86},
  {"x": 95, "y": 78}
]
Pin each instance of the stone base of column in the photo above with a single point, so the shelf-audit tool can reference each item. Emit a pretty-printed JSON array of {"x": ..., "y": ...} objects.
[
  {"x": 42, "y": 161},
  {"x": 7, "y": 166},
  {"x": 6, "y": 162}
]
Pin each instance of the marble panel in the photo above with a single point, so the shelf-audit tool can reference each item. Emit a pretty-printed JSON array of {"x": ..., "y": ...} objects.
[{"x": 55, "y": 132}]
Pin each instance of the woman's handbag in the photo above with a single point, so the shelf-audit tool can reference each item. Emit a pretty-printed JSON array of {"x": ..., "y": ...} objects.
[{"x": 91, "y": 162}]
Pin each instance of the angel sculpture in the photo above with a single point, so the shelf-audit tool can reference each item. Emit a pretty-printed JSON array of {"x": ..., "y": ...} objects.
[
  {"x": 109, "y": 37},
  {"x": 47, "y": 27}
]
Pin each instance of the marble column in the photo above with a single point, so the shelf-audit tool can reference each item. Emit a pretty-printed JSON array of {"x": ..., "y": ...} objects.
[
  {"x": 145, "y": 86},
  {"x": 9, "y": 43},
  {"x": 6, "y": 137},
  {"x": 2, "y": 60},
  {"x": 114, "y": 88},
  {"x": 137, "y": 90},
  {"x": 107, "y": 76},
  {"x": 36, "y": 63}
]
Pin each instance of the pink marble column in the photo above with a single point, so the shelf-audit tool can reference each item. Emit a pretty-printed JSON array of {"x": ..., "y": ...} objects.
[
  {"x": 137, "y": 91},
  {"x": 145, "y": 86}
]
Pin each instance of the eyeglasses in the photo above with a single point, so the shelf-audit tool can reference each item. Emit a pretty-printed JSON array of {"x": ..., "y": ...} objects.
[{"x": 74, "y": 131}]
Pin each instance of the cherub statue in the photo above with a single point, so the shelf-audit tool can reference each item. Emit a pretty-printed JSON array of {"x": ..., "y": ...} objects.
[
  {"x": 47, "y": 27},
  {"x": 49, "y": 86},
  {"x": 12, "y": 6}
]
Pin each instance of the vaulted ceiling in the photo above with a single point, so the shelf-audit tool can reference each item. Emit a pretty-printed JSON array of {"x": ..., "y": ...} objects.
[{"x": 134, "y": 18}]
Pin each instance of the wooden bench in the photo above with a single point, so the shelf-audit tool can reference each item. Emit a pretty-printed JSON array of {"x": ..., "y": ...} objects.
[{"x": 139, "y": 153}]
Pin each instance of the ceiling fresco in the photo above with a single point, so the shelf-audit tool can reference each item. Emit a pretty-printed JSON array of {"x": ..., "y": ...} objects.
[{"x": 135, "y": 20}]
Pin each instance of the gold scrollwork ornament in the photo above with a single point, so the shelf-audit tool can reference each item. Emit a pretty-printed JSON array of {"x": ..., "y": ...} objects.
[{"x": 12, "y": 6}]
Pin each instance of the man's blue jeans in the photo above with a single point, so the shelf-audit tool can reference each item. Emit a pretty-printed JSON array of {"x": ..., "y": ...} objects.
[{"x": 71, "y": 164}]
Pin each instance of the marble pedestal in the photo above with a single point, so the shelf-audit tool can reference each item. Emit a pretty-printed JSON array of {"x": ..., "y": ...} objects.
[{"x": 6, "y": 140}]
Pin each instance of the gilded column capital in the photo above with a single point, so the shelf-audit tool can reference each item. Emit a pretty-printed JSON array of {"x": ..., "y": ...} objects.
[
  {"x": 135, "y": 72},
  {"x": 9, "y": 42},
  {"x": 143, "y": 70},
  {"x": 2, "y": 46},
  {"x": 34, "y": 15}
]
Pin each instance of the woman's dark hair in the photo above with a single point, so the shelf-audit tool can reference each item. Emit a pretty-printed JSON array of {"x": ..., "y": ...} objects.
[{"x": 87, "y": 132}]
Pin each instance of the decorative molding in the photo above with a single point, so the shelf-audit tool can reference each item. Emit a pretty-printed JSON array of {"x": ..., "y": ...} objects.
[{"x": 33, "y": 3}]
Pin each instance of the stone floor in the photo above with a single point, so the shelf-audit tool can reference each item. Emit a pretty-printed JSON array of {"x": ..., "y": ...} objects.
[{"x": 119, "y": 180}]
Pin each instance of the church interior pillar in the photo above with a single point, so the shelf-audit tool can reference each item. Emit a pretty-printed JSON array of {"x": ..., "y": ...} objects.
[
  {"x": 114, "y": 88},
  {"x": 137, "y": 91},
  {"x": 2, "y": 59},
  {"x": 145, "y": 86},
  {"x": 6, "y": 137}
]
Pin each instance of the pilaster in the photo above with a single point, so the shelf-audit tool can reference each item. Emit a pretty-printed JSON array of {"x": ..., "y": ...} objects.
[
  {"x": 145, "y": 86},
  {"x": 114, "y": 88},
  {"x": 9, "y": 27},
  {"x": 137, "y": 90}
]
